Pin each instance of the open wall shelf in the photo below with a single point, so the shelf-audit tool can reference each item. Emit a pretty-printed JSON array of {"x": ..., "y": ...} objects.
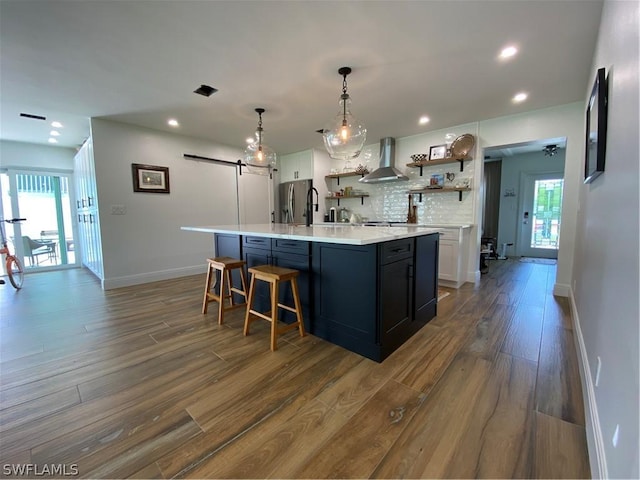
[
  {"x": 338, "y": 176},
  {"x": 361, "y": 197},
  {"x": 439, "y": 190},
  {"x": 442, "y": 161}
]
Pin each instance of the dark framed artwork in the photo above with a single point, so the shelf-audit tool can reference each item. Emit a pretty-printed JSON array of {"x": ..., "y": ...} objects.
[
  {"x": 596, "y": 132},
  {"x": 437, "y": 152},
  {"x": 150, "y": 178}
]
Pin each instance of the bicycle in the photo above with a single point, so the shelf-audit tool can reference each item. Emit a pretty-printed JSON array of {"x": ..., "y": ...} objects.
[{"x": 14, "y": 268}]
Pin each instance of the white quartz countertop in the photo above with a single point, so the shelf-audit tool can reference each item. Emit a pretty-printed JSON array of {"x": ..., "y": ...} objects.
[
  {"x": 338, "y": 233},
  {"x": 428, "y": 225}
]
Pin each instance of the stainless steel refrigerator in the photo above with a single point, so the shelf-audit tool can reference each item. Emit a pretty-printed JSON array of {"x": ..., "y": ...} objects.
[{"x": 293, "y": 201}]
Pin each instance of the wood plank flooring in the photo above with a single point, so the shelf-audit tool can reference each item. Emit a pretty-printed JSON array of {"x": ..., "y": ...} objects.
[{"x": 137, "y": 383}]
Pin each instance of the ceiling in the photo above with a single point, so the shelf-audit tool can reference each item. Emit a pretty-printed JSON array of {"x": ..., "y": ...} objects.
[
  {"x": 501, "y": 152},
  {"x": 139, "y": 62}
]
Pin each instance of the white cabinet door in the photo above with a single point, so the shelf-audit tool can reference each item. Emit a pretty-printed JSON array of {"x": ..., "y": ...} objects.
[
  {"x": 296, "y": 166},
  {"x": 449, "y": 257},
  {"x": 448, "y": 260},
  {"x": 305, "y": 166},
  {"x": 90, "y": 244},
  {"x": 285, "y": 170}
]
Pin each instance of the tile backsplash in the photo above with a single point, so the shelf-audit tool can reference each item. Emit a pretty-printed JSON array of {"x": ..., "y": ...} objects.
[{"x": 390, "y": 200}]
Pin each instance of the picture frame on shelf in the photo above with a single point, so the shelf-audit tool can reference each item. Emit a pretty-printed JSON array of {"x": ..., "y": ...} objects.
[
  {"x": 150, "y": 178},
  {"x": 437, "y": 152},
  {"x": 436, "y": 181},
  {"x": 596, "y": 131}
]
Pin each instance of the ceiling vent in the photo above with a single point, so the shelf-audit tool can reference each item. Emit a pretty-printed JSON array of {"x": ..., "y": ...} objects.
[
  {"x": 34, "y": 117},
  {"x": 205, "y": 90}
]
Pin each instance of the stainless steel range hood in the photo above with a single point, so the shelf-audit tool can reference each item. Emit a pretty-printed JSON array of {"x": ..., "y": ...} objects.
[{"x": 387, "y": 171}]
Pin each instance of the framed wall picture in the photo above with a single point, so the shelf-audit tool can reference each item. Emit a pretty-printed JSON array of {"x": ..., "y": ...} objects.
[
  {"x": 150, "y": 178},
  {"x": 437, "y": 152},
  {"x": 596, "y": 132}
]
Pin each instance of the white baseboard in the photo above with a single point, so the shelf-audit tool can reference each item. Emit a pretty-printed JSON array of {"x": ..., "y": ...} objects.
[
  {"x": 561, "y": 290},
  {"x": 595, "y": 443},
  {"x": 450, "y": 283},
  {"x": 118, "y": 282},
  {"x": 474, "y": 276}
]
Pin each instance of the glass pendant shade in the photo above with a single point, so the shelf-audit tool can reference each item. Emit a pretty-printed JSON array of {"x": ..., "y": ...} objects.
[
  {"x": 259, "y": 158},
  {"x": 344, "y": 136}
]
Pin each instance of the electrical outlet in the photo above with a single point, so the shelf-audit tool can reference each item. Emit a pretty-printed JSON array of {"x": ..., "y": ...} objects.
[
  {"x": 118, "y": 209},
  {"x": 616, "y": 436},
  {"x": 598, "y": 368}
]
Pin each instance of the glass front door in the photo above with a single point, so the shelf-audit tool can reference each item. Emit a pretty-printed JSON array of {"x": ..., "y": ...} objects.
[
  {"x": 540, "y": 215},
  {"x": 46, "y": 239}
]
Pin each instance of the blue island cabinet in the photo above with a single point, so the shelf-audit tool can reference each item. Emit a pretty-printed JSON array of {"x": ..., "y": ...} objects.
[
  {"x": 366, "y": 298},
  {"x": 293, "y": 254}
]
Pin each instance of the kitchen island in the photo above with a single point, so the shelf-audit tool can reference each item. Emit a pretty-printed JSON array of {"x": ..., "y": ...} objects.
[{"x": 367, "y": 289}]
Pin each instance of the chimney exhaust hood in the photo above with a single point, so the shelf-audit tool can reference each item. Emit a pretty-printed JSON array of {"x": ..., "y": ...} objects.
[{"x": 386, "y": 172}]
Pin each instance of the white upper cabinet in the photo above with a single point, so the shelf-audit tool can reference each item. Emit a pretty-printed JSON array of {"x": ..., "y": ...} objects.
[{"x": 296, "y": 166}]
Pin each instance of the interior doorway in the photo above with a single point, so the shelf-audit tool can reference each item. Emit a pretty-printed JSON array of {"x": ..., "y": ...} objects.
[{"x": 529, "y": 202}]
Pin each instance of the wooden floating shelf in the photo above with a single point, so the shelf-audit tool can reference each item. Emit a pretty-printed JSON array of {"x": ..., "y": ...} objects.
[
  {"x": 361, "y": 197},
  {"x": 442, "y": 161},
  {"x": 439, "y": 190},
  {"x": 338, "y": 176}
]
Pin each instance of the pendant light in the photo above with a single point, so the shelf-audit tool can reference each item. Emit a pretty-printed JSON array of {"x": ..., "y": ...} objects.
[
  {"x": 260, "y": 158},
  {"x": 344, "y": 135}
]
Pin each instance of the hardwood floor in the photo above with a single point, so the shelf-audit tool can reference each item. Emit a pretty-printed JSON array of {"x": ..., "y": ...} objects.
[{"x": 136, "y": 382}]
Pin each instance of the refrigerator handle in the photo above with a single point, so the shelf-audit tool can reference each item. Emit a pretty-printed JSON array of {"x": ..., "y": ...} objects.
[{"x": 292, "y": 202}]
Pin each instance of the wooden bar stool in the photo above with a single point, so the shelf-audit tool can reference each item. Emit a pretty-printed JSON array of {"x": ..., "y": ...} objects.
[
  {"x": 274, "y": 275},
  {"x": 224, "y": 265}
]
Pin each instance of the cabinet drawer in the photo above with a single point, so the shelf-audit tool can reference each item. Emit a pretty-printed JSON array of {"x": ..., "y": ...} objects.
[
  {"x": 396, "y": 250},
  {"x": 257, "y": 242},
  {"x": 449, "y": 234},
  {"x": 292, "y": 246}
]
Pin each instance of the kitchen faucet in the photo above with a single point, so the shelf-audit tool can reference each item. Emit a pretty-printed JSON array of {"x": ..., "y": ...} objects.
[{"x": 310, "y": 204}]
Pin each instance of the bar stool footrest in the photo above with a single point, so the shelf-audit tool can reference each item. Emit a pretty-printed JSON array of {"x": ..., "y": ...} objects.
[
  {"x": 265, "y": 316},
  {"x": 287, "y": 307}
]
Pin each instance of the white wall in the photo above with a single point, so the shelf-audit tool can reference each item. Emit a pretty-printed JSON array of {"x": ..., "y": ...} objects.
[
  {"x": 605, "y": 268},
  {"x": 510, "y": 175},
  {"x": 146, "y": 244},
  {"x": 33, "y": 156},
  {"x": 562, "y": 121}
]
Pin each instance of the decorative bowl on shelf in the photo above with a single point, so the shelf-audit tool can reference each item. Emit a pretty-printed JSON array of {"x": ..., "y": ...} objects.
[
  {"x": 361, "y": 169},
  {"x": 419, "y": 157}
]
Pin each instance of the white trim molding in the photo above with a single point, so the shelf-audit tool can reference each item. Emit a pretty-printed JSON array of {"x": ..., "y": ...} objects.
[
  {"x": 595, "y": 443},
  {"x": 561, "y": 290},
  {"x": 137, "y": 279}
]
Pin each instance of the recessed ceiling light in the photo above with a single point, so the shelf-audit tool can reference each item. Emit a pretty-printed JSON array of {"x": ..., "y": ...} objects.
[
  {"x": 520, "y": 97},
  {"x": 173, "y": 122},
  {"x": 56, "y": 124},
  {"x": 52, "y": 140},
  {"x": 508, "y": 52},
  {"x": 424, "y": 120},
  {"x": 54, "y": 133}
]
